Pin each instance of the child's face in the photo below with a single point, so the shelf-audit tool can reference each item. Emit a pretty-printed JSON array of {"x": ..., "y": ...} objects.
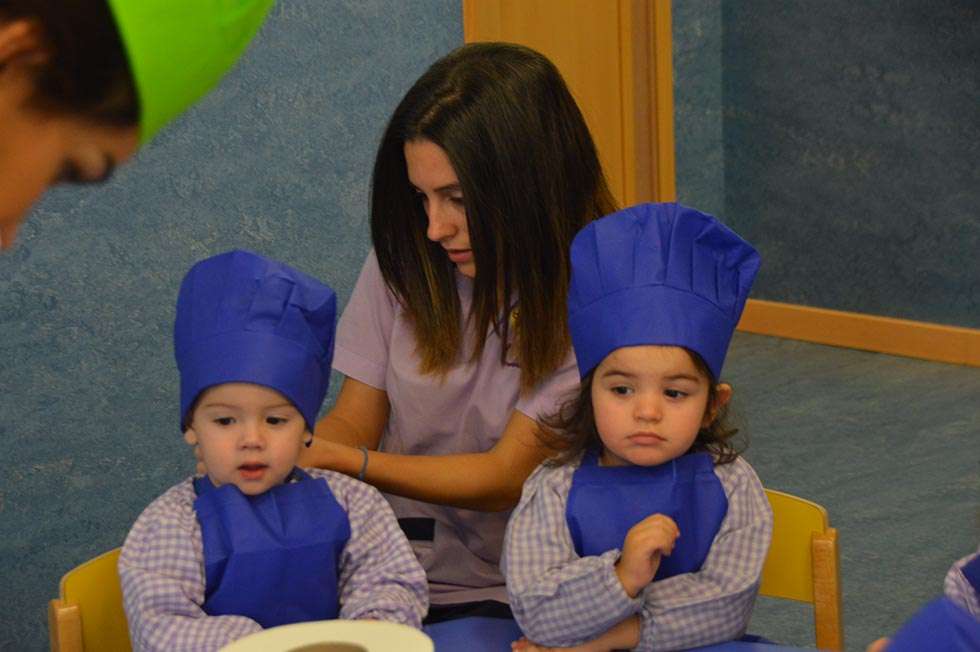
[
  {"x": 249, "y": 435},
  {"x": 649, "y": 403}
]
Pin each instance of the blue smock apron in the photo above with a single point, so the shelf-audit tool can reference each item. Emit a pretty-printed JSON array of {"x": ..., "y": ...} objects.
[
  {"x": 942, "y": 624},
  {"x": 606, "y": 501},
  {"x": 273, "y": 557}
]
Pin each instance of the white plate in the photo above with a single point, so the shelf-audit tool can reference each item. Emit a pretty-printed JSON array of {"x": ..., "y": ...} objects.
[{"x": 345, "y": 635}]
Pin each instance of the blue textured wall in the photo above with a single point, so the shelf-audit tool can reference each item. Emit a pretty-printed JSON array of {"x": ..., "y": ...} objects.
[
  {"x": 850, "y": 147},
  {"x": 277, "y": 160},
  {"x": 699, "y": 136}
]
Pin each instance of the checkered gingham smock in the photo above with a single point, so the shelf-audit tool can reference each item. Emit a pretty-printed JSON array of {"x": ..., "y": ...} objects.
[
  {"x": 561, "y": 599},
  {"x": 958, "y": 589},
  {"x": 162, "y": 571}
]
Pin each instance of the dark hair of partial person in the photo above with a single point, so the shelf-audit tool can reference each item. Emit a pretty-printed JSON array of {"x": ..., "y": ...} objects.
[
  {"x": 86, "y": 72},
  {"x": 571, "y": 430},
  {"x": 530, "y": 178}
]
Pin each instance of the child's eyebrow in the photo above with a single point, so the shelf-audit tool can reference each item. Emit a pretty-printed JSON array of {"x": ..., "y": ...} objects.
[
  {"x": 682, "y": 376},
  {"x": 672, "y": 377},
  {"x": 617, "y": 372},
  {"x": 277, "y": 406}
]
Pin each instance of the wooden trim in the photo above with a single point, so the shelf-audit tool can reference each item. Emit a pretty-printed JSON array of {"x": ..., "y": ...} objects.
[
  {"x": 827, "y": 612},
  {"x": 617, "y": 60},
  {"x": 859, "y": 331},
  {"x": 632, "y": 157},
  {"x": 662, "y": 82},
  {"x": 64, "y": 627}
]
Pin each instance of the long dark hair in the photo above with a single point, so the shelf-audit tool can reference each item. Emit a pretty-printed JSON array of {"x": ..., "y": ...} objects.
[
  {"x": 571, "y": 430},
  {"x": 530, "y": 178},
  {"x": 86, "y": 72}
]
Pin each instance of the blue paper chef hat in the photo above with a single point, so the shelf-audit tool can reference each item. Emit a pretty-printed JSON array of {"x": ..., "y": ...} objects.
[
  {"x": 657, "y": 274},
  {"x": 242, "y": 317}
]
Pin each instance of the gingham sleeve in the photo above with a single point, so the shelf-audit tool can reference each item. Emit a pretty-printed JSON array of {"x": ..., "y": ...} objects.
[
  {"x": 715, "y": 603},
  {"x": 958, "y": 589},
  {"x": 380, "y": 577},
  {"x": 558, "y": 598},
  {"x": 161, "y": 568}
]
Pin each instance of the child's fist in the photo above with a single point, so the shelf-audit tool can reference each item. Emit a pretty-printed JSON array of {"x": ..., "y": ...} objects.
[{"x": 645, "y": 543}]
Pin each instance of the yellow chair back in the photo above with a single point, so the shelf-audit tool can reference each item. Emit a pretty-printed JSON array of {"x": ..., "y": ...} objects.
[
  {"x": 804, "y": 564},
  {"x": 88, "y": 616}
]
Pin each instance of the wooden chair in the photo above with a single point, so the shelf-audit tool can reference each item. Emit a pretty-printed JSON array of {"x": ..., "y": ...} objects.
[
  {"x": 804, "y": 564},
  {"x": 88, "y": 615}
]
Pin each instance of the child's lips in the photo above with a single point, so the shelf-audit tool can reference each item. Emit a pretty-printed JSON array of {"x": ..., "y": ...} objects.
[
  {"x": 647, "y": 438},
  {"x": 252, "y": 471}
]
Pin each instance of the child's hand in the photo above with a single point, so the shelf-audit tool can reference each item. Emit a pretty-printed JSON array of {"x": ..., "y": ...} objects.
[
  {"x": 879, "y": 646},
  {"x": 645, "y": 543},
  {"x": 524, "y": 645}
]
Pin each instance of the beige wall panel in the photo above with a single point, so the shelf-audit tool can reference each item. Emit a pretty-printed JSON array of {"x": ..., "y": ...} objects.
[{"x": 582, "y": 37}]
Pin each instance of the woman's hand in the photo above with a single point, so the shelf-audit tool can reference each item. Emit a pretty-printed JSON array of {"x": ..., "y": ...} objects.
[
  {"x": 323, "y": 454},
  {"x": 878, "y": 646},
  {"x": 645, "y": 543}
]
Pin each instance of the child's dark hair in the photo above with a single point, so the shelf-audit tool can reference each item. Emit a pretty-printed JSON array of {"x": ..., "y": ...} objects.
[{"x": 571, "y": 430}]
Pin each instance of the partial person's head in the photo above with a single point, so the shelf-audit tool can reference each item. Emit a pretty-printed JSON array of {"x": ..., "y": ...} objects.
[
  {"x": 487, "y": 168},
  {"x": 253, "y": 339},
  {"x": 656, "y": 293},
  {"x": 84, "y": 83}
]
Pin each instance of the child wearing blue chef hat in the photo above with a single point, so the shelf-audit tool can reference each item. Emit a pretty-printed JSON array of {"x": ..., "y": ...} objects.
[
  {"x": 258, "y": 542},
  {"x": 647, "y": 531}
]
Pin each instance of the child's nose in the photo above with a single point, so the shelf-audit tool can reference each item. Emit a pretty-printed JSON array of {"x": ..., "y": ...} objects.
[
  {"x": 648, "y": 407},
  {"x": 252, "y": 435}
]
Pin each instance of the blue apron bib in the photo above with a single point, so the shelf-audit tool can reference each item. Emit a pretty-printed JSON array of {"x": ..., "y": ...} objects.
[
  {"x": 942, "y": 624},
  {"x": 273, "y": 557},
  {"x": 606, "y": 501}
]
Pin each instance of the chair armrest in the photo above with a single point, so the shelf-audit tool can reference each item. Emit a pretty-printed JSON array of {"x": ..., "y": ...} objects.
[{"x": 64, "y": 627}]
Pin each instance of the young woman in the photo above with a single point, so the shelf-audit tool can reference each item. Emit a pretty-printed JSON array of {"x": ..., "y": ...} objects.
[
  {"x": 84, "y": 83},
  {"x": 455, "y": 342}
]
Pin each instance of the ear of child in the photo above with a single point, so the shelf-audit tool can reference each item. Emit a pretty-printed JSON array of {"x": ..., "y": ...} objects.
[{"x": 722, "y": 396}]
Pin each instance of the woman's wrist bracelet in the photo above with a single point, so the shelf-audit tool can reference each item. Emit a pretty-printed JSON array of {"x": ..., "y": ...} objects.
[{"x": 360, "y": 475}]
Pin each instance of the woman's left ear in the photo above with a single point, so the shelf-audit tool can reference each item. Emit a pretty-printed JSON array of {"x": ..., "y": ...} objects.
[
  {"x": 308, "y": 439},
  {"x": 723, "y": 394}
]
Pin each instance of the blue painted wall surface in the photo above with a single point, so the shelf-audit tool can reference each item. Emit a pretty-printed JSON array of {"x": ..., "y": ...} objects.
[
  {"x": 699, "y": 138},
  {"x": 277, "y": 160},
  {"x": 850, "y": 147}
]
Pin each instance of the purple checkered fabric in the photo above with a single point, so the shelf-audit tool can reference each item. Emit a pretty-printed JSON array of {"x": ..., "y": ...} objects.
[
  {"x": 162, "y": 571},
  {"x": 958, "y": 589},
  {"x": 561, "y": 599}
]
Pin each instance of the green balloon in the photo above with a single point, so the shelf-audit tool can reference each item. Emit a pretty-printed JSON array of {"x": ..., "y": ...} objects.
[{"x": 180, "y": 49}]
